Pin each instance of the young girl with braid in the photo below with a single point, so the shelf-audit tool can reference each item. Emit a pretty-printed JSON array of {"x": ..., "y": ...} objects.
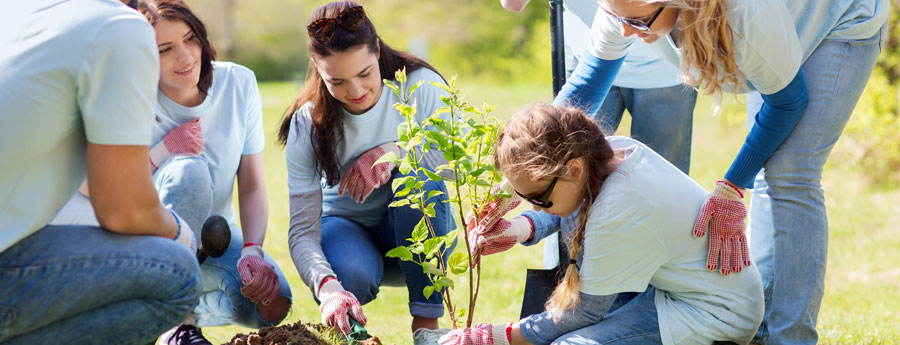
[{"x": 633, "y": 277}]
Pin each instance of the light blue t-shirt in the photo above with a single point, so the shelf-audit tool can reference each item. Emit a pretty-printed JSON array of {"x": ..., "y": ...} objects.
[
  {"x": 71, "y": 72},
  {"x": 361, "y": 133},
  {"x": 772, "y": 38},
  {"x": 231, "y": 117},
  {"x": 643, "y": 68},
  {"x": 647, "y": 206}
]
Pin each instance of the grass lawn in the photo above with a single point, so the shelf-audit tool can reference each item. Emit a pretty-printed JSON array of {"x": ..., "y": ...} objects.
[{"x": 862, "y": 297}]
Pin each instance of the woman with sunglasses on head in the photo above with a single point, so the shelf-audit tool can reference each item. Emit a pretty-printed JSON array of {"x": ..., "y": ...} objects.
[
  {"x": 340, "y": 124},
  {"x": 633, "y": 277},
  {"x": 806, "y": 64},
  {"x": 207, "y": 133}
]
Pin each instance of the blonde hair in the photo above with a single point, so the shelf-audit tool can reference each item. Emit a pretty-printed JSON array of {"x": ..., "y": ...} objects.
[
  {"x": 538, "y": 143},
  {"x": 707, "y": 57}
]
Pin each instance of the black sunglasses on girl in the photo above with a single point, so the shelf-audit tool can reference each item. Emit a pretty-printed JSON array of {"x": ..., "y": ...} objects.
[
  {"x": 350, "y": 19},
  {"x": 636, "y": 23},
  {"x": 541, "y": 199}
]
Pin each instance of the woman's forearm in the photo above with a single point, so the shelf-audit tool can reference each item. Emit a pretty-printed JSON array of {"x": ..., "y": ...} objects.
[{"x": 252, "y": 200}]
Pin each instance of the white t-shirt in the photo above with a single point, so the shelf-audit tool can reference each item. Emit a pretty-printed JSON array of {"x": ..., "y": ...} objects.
[
  {"x": 643, "y": 68},
  {"x": 361, "y": 133},
  {"x": 772, "y": 38},
  {"x": 71, "y": 72},
  {"x": 231, "y": 117},
  {"x": 649, "y": 206}
]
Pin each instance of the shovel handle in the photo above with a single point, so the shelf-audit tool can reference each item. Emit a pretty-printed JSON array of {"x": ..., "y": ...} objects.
[{"x": 357, "y": 331}]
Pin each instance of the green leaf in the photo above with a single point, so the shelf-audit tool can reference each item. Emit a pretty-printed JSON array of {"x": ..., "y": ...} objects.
[
  {"x": 442, "y": 85},
  {"x": 450, "y": 238},
  {"x": 416, "y": 248},
  {"x": 429, "y": 210},
  {"x": 444, "y": 281},
  {"x": 434, "y": 193},
  {"x": 405, "y": 110},
  {"x": 459, "y": 263},
  {"x": 461, "y": 313},
  {"x": 400, "y": 75},
  {"x": 432, "y": 245},
  {"x": 388, "y": 157},
  {"x": 400, "y": 181},
  {"x": 415, "y": 86},
  {"x": 420, "y": 232},
  {"x": 432, "y": 176},
  {"x": 430, "y": 268},
  {"x": 399, "y": 203},
  {"x": 427, "y": 291},
  {"x": 391, "y": 85},
  {"x": 405, "y": 168},
  {"x": 400, "y": 252}
]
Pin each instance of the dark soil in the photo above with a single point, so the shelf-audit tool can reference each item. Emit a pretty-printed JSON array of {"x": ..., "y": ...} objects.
[{"x": 296, "y": 334}]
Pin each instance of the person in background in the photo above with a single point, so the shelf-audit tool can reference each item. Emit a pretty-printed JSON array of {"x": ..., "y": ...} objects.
[
  {"x": 633, "y": 277},
  {"x": 207, "y": 133},
  {"x": 803, "y": 81},
  {"x": 80, "y": 76},
  {"x": 342, "y": 122}
]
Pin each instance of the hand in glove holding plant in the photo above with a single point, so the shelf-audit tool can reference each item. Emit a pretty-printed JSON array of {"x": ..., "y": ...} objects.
[
  {"x": 259, "y": 277},
  {"x": 337, "y": 305},
  {"x": 184, "y": 139},
  {"x": 483, "y": 334},
  {"x": 362, "y": 178},
  {"x": 723, "y": 214},
  {"x": 490, "y": 233}
]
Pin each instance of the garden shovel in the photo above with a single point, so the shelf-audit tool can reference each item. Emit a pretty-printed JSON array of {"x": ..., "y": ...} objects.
[
  {"x": 539, "y": 283},
  {"x": 357, "y": 332}
]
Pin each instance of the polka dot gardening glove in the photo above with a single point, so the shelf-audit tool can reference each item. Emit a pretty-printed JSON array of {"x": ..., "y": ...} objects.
[
  {"x": 258, "y": 276},
  {"x": 483, "y": 334},
  {"x": 490, "y": 233},
  {"x": 362, "y": 178},
  {"x": 724, "y": 214},
  {"x": 338, "y": 305},
  {"x": 185, "y": 139}
]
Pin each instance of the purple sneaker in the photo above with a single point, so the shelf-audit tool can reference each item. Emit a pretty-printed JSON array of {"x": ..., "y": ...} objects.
[{"x": 184, "y": 335}]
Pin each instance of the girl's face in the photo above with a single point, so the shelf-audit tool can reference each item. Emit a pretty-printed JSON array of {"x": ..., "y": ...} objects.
[
  {"x": 566, "y": 195},
  {"x": 179, "y": 56},
  {"x": 352, "y": 77},
  {"x": 641, "y": 11}
]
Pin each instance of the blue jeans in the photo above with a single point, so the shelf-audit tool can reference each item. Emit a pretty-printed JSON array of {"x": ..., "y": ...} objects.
[
  {"x": 185, "y": 186},
  {"x": 788, "y": 222},
  {"x": 85, "y": 285},
  {"x": 661, "y": 118},
  {"x": 632, "y": 319},
  {"x": 356, "y": 252}
]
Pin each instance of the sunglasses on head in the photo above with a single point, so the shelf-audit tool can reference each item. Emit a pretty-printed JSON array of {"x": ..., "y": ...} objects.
[
  {"x": 541, "y": 199},
  {"x": 350, "y": 19},
  {"x": 636, "y": 23}
]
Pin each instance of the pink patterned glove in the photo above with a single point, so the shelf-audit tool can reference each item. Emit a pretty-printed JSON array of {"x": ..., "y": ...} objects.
[
  {"x": 362, "y": 178},
  {"x": 490, "y": 233},
  {"x": 337, "y": 305},
  {"x": 724, "y": 214},
  {"x": 259, "y": 277},
  {"x": 483, "y": 334},
  {"x": 184, "y": 139}
]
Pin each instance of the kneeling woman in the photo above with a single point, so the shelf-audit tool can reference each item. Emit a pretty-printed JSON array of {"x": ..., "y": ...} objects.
[
  {"x": 208, "y": 131},
  {"x": 636, "y": 275},
  {"x": 339, "y": 125}
]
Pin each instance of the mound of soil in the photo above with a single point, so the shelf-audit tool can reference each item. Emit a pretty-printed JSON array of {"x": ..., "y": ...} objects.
[{"x": 297, "y": 334}]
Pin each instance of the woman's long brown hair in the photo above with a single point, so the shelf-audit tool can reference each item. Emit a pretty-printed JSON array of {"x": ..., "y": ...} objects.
[{"x": 327, "y": 127}]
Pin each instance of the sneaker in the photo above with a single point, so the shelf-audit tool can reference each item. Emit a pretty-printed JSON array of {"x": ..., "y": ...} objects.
[
  {"x": 425, "y": 336},
  {"x": 183, "y": 335}
]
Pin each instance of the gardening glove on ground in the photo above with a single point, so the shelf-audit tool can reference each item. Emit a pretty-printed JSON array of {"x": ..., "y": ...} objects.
[
  {"x": 362, "y": 178},
  {"x": 185, "y": 235},
  {"x": 259, "y": 277},
  {"x": 724, "y": 214},
  {"x": 337, "y": 305},
  {"x": 483, "y": 334},
  {"x": 184, "y": 139}
]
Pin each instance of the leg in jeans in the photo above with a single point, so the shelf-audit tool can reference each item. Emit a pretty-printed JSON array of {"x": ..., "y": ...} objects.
[
  {"x": 185, "y": 186},
  {"x": 632, "y": 319},
  {"x": 610, "y": 114},
  {"x": 221, "y": 302},
  {"x": 86, "y": 285},
  {"x": 351, "y": 251},
  {"x": 397, "y": 226},
  {"x": 662, "y": 118},
  {"x": 788, "y": 222}
]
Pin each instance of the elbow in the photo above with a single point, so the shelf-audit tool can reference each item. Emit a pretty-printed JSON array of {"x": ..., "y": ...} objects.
[
  {"x": 116, "y": 222},
  {"x": 513, "y": 5}
]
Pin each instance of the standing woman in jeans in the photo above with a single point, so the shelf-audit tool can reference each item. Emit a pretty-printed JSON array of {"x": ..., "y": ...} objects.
[
  {"x": 806, "y": 63},
  {"x": 340, "y": 124}
]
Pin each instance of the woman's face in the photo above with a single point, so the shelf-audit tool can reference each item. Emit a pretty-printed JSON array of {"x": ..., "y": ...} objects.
[
  {"x": 352, "y": 77},
  {"x": 179, "y": 56},
  {"x": 640, "y": 10},
  {"x": 566, "y": 195}
]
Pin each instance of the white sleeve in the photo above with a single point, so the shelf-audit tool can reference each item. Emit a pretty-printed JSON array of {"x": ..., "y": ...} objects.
[
  {"x": 254, "y": 139},
  {"x": 116, "y": 83},
  {"x": 298, "y": 150},
  {"x": 767, "y": 49},
  {"x": 607, "y": 42}
]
